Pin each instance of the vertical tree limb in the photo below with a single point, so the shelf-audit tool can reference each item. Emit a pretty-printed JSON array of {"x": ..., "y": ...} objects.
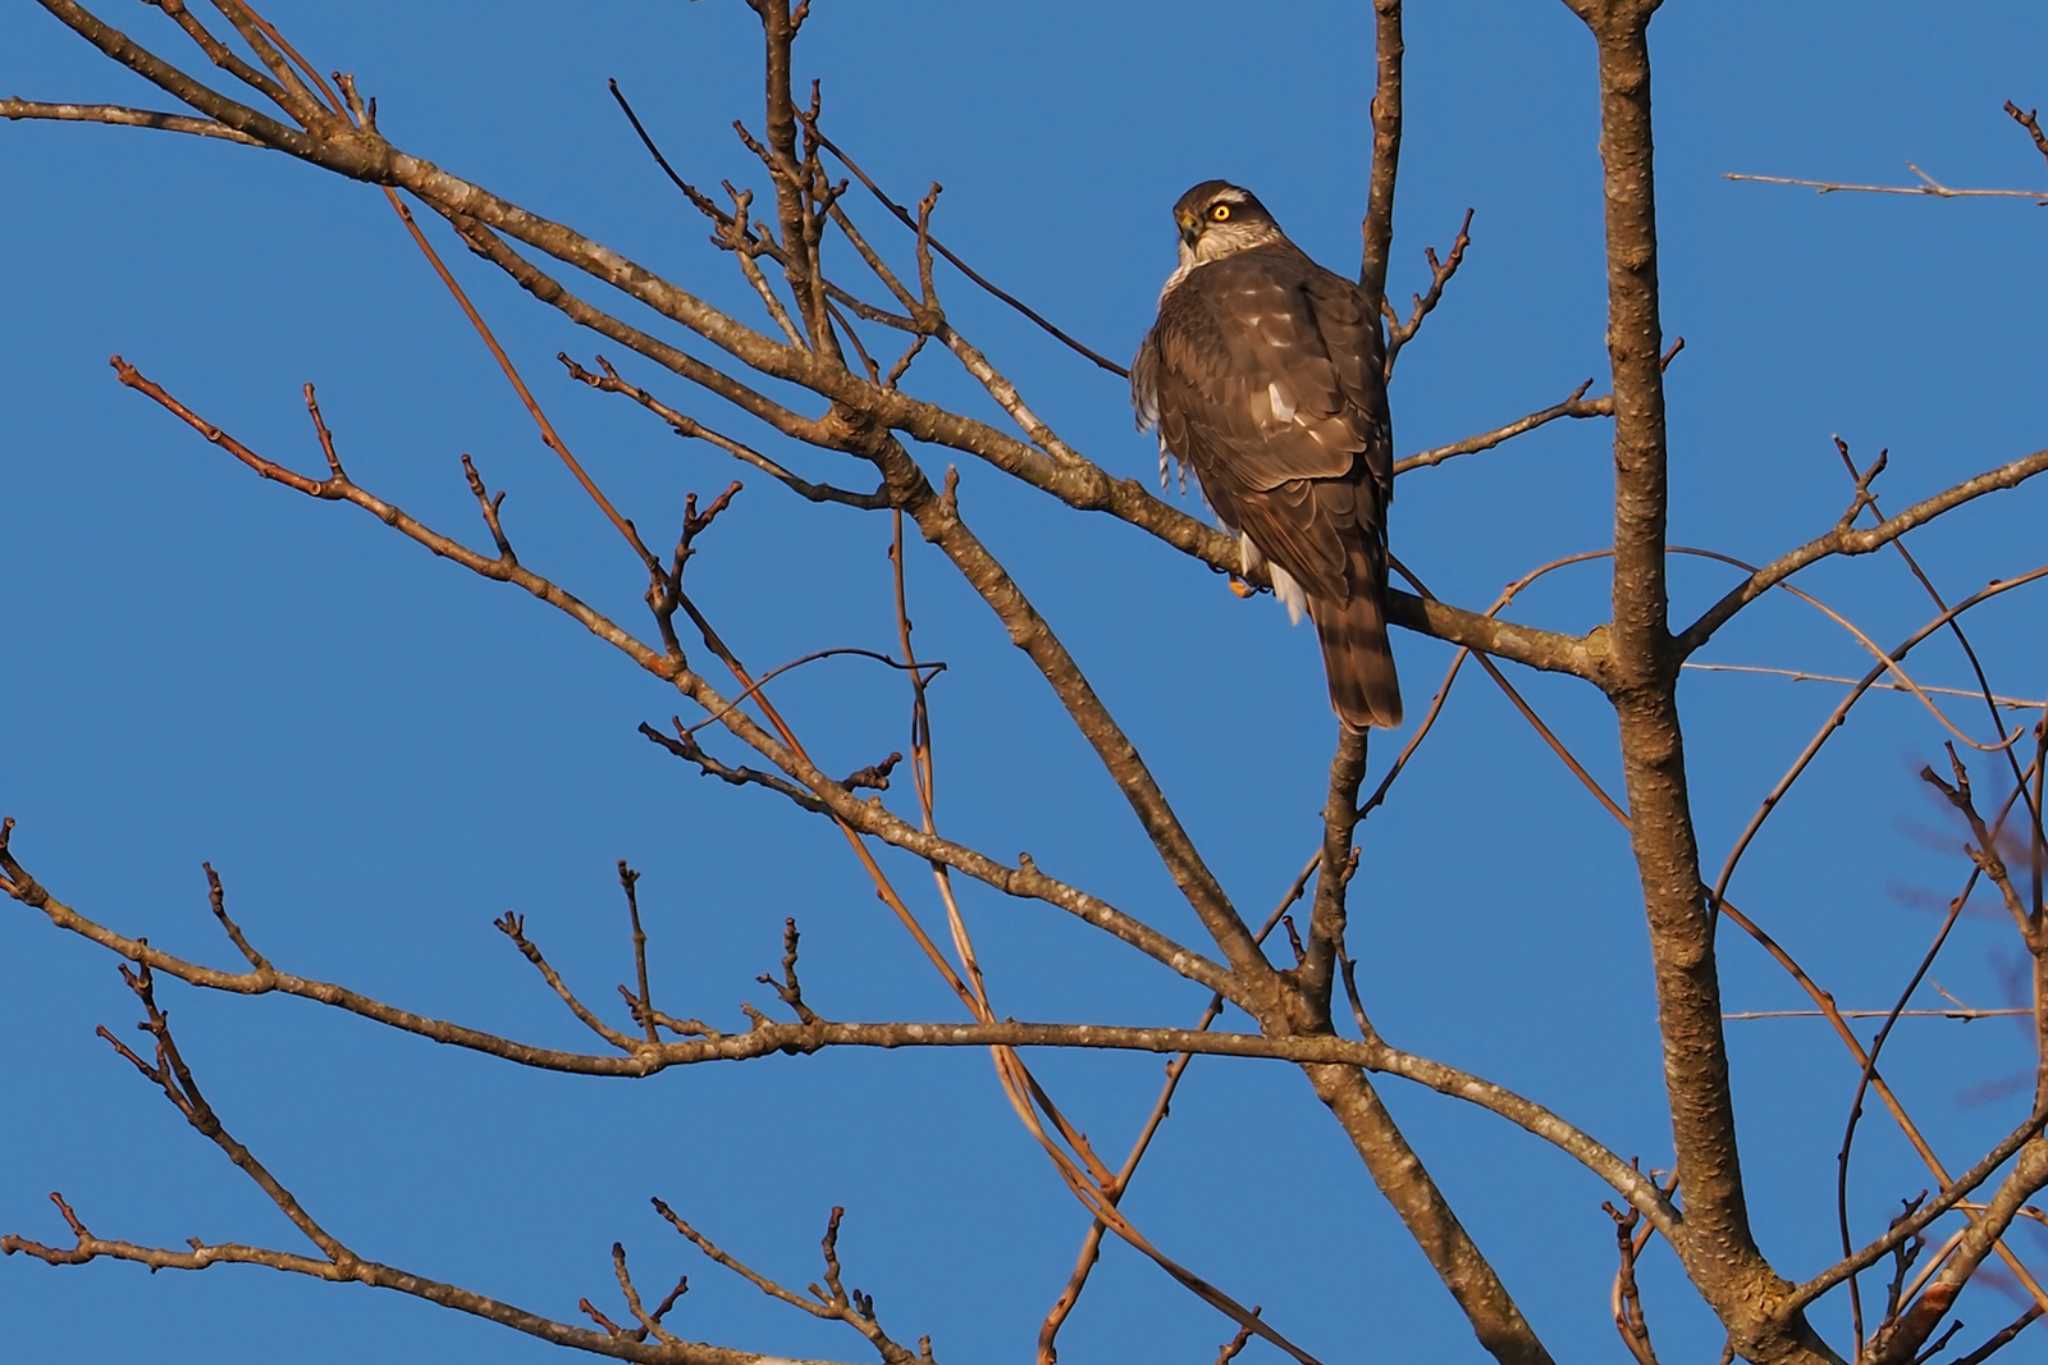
[
  {"x": 1719, "y": 1248},
  {"x": 1378, "y": 228}
]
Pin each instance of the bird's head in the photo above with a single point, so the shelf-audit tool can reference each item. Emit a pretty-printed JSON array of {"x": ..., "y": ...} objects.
[{"x": 1218, "y": 219}]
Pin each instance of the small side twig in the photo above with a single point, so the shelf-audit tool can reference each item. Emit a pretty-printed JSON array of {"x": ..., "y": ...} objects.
[
  {"x": 171, "y": 1074},
  {"x": 875, "y": 776},
  {"x": 650, "y": 1323},
  {"x": 629, "y": 882},
  {"x": 1984, "y": 852},
  {"x": 1903, "y": 1257},
  {"x": 835, "y": 1303},
  {"x": 905, "y": 217},
  {"x": 683, "y": 744},
  {"x": 216, "y": 899},
  {"x": 491, "y": 505},
  {"x": 695, "y": 523},
  {"x": 689, "y": 428},
  {"x": 1575, "y": 404},
  {"x": 1400, "y": 333},
  {"x": 789, "y": 988},
  {"x": 2031, "y": 121},
  {"x": 513, "y": 926},
  {"x": 2000, "y": 1338},
  {"x": 1626, "y": 1299},
  {"x": 1232, "y": 1348},
  {"x": 682, "y": 1028}
]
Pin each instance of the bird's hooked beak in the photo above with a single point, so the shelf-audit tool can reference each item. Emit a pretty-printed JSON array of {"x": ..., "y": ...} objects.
[{"x": 1190, "y": 227}]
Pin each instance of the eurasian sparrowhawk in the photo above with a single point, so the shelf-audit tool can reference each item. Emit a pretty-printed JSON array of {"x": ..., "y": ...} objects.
[{"x": 1263, "y": 373}]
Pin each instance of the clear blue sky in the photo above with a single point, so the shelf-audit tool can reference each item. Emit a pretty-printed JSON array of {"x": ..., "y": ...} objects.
[{"x": 381, "y": 753}]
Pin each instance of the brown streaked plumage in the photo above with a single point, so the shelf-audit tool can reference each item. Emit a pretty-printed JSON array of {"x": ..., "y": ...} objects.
[{"x": 1263, "y": 373}]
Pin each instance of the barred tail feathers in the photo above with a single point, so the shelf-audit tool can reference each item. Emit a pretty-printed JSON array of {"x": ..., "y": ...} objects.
[{"x": 1358, "y": 660}]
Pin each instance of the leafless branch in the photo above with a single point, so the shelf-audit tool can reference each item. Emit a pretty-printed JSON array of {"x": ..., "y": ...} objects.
[
  {"x": 2029, "y": 119},
  {"x": 1984, "y": 853},
  {"x": 1401, "y": 332},
  {"x": 1842, "y": 540},
  {"x": 808, "y": 374},
  {"x": 835, "y": 1303},
  {"x": 2001, "y": 1338},
  {"x": 1927, "y": 188},
  {"x": 903, "y": 216},
  {"x": 338, "y": 1263},
  {"x": 1576, "y": 405},
  {"x": 1802, "y": 675},
  {"x": 1964, "y": 1015},
  {"x": 123, "y": 117},
  {"x": 1627, "y": 1300}
]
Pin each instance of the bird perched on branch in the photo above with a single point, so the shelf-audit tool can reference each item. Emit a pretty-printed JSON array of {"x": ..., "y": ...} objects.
[{"x": 1263, "y": 373}]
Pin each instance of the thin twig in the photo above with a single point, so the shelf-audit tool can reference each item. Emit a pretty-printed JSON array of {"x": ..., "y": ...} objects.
[
  {"x": 1801, "y": 675},
  {"x": 1965, "y": 1015},
  {"x": 905, "y": 217},
  {"x": 1400, "y": 333},
  {"x": 1927, "y": 188},
  {"x": 2029, "y": 119},
  {"x": 629, "y": 882}
]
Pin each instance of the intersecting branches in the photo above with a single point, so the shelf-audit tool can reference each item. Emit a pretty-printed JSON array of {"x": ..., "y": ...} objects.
[
  {"x": 921, "y": 224},
  {"x": 865, "y": 817},
  {"x": 788, "y": 754},
  {"x": 1720, "y": 1252},
  {"x": 849, "y": 410},
  {"x": 792, "y": 759},
  {"x": 1955, "y": 1189},
  {"x": 1825, "y": 1005},
  {"x": 360, "y": 151},
  {"x": 698, "y": 1043},
  {"x": 1844, "y": 539},
  {"x": 164, "y": 1065},
  {"x": 1868, "y": 1073},
  {"x": 1087, "y": 1258},
  {"x": 850, "y": 426}
]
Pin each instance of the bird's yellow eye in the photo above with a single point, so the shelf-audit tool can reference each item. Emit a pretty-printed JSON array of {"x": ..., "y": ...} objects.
[{"x": 1219, "y": 213}]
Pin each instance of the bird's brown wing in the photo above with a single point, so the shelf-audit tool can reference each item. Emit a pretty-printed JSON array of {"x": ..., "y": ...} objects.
[{"x": 1263, "y": 372}]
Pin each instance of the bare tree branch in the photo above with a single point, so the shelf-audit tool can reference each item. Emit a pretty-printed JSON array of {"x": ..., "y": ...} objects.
[
  {"x": 1716, "y": 1244},
  {"x": 813, "y": 372},
  {"x": 1928, "y": 188},
  {"x": 2030, "y": 120},
  {"x": 121, "y": 116},
  {"x": 1843, "y": 540},
  {"x": 1577, "y": 405}
]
